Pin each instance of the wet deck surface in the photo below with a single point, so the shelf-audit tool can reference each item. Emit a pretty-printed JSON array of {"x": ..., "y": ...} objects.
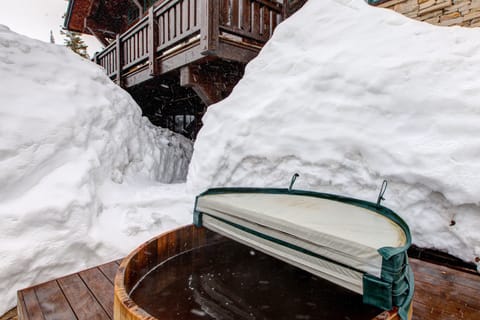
[
  {"x": 84, "y": 295},
  {"x": 440, "y": 293}
]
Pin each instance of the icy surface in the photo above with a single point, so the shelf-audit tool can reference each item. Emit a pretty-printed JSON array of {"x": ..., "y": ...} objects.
[
  {"x": 81, "y": 171},
  {"x": 348, "y": 95}
]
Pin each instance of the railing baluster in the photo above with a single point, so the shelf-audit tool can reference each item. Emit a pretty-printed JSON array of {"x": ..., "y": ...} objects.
[
  {"x": 138, "y": 40},
  {"x": 161, "y": 34},
  {"x": 196, "y": 11},
  {"x": 126, "y": 51},
  {"x": 179, "y": 17},
  {"x": 172, "y": 21},
  {"x": 152, "y": 43},
  {"x": 140, "y": 43},
  {"x": 145, "y": 41},
  {"x": 224, "y": 12},
  {"x": 119, "y": 61},
  {"x": 135, "y": 46},
  {"x": 246, "y": 15},
  {"x": 130, "y": 49},
  {"x": 186, "y": 14},
  {"x": 266, "y": 22},
  {"x": 256, "y": 18},
  {"x": 275, "y": 17},
  {"x": 235, "y": 12}
]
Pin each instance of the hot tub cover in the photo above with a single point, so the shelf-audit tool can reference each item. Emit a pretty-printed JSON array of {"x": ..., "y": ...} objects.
[{"x": 356, "y": 244}]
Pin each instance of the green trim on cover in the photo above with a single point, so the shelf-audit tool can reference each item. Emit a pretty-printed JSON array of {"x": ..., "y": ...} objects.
[
  {"x": 377, "y": 292},
  {"x": 396, "y": 285}
]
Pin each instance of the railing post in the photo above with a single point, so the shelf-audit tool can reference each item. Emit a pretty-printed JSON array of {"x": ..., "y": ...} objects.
[
  {"x": 210, "y": 19},
  {"x": 119, "y": 60},
  {"x": 95, "y": 58},
  {"x": 285, "y": 10},
  {"x": 152, "y": 43}
]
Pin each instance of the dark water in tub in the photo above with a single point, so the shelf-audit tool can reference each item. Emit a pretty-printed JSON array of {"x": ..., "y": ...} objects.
[{"x": 231, "y": 281}]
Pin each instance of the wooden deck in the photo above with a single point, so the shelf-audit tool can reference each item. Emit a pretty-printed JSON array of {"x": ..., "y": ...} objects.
[
  {"x": 84, "y": 295},
  {"x": 440, "y": 293}
]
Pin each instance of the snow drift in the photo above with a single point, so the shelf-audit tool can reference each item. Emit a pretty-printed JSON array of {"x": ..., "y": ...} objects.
[
  {"x": 348, "y": 95},
  {"x": 80, "y": 169}
]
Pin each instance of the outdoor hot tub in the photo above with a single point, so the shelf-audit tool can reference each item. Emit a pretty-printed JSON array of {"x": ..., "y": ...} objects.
[{"x": 194, "y": 273}]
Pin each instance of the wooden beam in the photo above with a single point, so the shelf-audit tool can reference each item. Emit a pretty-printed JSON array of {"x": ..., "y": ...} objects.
[
  {"x": 192, "y": 77},
  {"x": 211, "y": 84}
]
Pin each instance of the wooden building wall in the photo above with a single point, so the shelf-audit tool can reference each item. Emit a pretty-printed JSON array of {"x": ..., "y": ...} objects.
[{"x": 440, "y": 12}]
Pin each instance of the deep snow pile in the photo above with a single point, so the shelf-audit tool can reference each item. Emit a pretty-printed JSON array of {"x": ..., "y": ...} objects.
[
  {"x": 348, "y": 95},
  {"x": 80, "y": 169}
]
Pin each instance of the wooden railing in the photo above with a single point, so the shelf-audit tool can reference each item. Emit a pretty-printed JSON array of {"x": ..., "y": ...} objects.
[
  {"x": 173, "y": 24},
  {"x": 250, "y": 19}
]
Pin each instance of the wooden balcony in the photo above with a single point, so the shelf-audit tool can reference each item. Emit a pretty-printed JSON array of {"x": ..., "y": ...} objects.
[
  {"x": 181, "y": 55},
  {"x": 178, "y": 33}
]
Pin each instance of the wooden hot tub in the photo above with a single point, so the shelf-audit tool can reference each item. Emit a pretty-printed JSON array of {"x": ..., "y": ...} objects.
[{"x": 173, "y": 245}]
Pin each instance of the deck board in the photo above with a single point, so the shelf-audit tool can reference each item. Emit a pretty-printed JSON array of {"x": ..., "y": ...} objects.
[
  {"x": 81, "y": 300},
  {"x": 441, "y": 293},
  {"x": 109, "y": 270},
  {"x": 53, "y": 303},
  {"x": 101, "y": 287},
  {"x": 30, "y": 304}
]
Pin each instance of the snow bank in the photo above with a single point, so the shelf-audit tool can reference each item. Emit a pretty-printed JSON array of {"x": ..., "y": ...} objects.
[
  {"x": 348, "y": 95},
  {"x": 80, "y": 169}
]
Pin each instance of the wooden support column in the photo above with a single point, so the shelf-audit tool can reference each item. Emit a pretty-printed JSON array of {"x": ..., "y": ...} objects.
[
  {"x": 152, "y": 43},
  {"x": 119, "y": 57},
  {"x": 210, "y": 15}
]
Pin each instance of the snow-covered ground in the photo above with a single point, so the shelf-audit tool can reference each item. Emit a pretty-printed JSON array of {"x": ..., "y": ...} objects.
[
  {"x": 348, "y": 95},
  {"x": 82, "y": 173},
  {"x": 345, "y": 94}
]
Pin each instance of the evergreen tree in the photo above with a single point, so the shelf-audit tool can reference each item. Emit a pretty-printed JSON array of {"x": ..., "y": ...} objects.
[{"x": 75, "y": 42}]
